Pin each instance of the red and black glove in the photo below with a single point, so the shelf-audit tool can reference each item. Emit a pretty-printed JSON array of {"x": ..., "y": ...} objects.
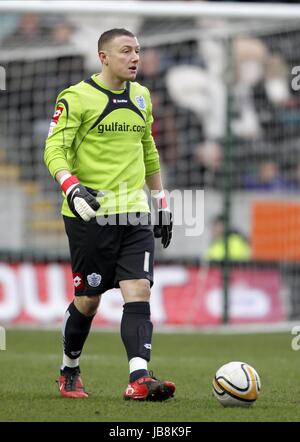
[{"x": 81, "y": 199}]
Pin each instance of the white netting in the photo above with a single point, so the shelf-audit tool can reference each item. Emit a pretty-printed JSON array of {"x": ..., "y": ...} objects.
[{"x": 187, "y": 63}]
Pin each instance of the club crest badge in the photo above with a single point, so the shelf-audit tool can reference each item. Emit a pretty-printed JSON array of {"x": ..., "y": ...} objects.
[
  {"x": 141, "y": 102},
  {"x": 94, "y": 279}
]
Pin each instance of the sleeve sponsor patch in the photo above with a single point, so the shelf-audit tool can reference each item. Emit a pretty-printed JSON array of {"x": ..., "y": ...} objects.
[{"x": 55, "y": 119}]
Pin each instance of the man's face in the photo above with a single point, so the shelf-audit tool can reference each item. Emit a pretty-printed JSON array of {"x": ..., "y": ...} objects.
[
  {"x": 217, "y": 230},
  {"x": 121, "y": 57}
]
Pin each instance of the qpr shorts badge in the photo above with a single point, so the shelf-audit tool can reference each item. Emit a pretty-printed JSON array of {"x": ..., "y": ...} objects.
[
  {"x": 141, "y": 102},
  {"x": 94, "y": 279}
]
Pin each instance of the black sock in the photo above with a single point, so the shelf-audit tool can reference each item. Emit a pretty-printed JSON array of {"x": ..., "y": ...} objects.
[
  {"x": 137, "y": 374},
  {"x": 70, "y": 369},
  {"x": 136, "y": 333},
  {"x": 75, "y": 331}
]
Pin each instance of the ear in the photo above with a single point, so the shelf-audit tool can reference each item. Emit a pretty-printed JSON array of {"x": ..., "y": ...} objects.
[{"x": 103, "y": 57}]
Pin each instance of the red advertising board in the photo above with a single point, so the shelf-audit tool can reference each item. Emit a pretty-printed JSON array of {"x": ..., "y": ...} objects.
[{"x": 181, "y": 296}]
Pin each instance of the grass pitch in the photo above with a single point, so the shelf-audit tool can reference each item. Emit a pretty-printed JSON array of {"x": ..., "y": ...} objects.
[{"x": 30, "y": 366}]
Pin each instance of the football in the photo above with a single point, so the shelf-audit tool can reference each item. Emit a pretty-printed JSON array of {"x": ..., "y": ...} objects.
[{"x": 236, "y": 384}]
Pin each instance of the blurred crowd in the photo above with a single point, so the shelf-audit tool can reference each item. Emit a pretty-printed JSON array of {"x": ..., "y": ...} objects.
[{"x": 200, "y": 76}]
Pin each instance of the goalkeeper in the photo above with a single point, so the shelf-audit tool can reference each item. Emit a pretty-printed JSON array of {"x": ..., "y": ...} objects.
[{"x": 101, "y": 152}]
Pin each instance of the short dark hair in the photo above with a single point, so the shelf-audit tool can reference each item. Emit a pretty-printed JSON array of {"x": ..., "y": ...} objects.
[{"x": 109, "y": 35}]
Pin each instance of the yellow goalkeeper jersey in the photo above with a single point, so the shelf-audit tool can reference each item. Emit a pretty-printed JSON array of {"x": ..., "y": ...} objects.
[{"x": 104, "y": 138}]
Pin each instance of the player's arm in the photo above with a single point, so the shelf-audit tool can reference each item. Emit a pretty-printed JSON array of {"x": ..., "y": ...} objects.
[
  {"x": 151, "y": 156},
  {"x": 63, "y": 128},
  {"x": 163, "y": 228},
  {"x": 64, "y": 125}
]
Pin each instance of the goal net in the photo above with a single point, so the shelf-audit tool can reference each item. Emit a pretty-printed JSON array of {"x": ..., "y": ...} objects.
[{"x": 224, "y": 82}]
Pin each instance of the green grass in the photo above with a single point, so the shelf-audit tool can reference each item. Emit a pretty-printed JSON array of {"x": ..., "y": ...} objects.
[{"x": 30, "y": 364}]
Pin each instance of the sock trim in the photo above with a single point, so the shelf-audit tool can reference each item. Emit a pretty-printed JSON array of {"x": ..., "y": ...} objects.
[
  {"x": 137, "y": 364},
  {"x": 68, "y": 362}
]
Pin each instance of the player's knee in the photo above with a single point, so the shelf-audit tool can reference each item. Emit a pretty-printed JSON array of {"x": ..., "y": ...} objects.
[
  {"x": 87, "y": 305},
  {"x": 146, "y": 288},
  {"x": 136, "y": 290}
]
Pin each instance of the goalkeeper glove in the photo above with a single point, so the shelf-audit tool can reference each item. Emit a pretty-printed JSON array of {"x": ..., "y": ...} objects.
[
  {"x": 164, "y": 228},
  {"x": 81, "y": 199}
]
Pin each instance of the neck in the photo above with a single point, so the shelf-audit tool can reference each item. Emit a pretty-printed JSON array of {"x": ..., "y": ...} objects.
[{"x": 114, "y": 84}]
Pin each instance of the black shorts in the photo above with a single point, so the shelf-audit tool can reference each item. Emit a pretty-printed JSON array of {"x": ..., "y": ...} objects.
[{"x": 103, "y": 255}]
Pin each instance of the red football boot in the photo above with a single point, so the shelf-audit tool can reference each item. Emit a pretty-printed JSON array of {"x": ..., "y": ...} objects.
[
  {"x": 70, "y": 383},
  {"x": 149, "y": 388}
]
